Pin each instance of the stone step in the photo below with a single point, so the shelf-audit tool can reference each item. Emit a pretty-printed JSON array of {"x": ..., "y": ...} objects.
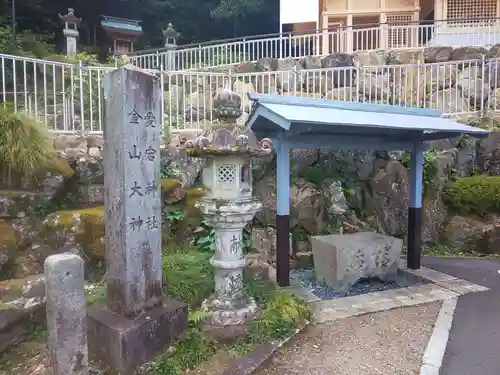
[{"x": 22, "y": 303}]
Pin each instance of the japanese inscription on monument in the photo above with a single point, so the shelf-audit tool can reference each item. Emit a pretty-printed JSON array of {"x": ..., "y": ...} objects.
[{"x": 132, "y": 202}]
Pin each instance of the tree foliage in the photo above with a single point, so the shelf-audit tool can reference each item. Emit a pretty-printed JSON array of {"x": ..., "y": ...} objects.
[
  {"x": 197, "y": 20},
  {"x": 233, "y": 9}
]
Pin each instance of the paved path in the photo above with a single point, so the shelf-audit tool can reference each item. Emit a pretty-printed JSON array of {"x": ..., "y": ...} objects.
[{"x": 474, "y": 344}]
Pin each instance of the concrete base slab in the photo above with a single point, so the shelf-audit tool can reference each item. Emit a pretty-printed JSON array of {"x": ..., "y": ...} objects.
[
  {"x": 325, "y": 311},
  {"x": 444, "y": 280},
  {"x": 124, "y": 344}
]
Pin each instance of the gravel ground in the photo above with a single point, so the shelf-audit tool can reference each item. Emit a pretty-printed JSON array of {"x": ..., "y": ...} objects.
[
  {"x": 306, "y": 278},
  {"x": 386, "y": 343}
]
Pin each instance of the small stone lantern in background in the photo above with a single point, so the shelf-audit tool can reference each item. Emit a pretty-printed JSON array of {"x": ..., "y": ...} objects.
[
  {"x": 170, "y": 36},
  {"x": 228, "y": 206},
  {"x": 70, "y": 31}
]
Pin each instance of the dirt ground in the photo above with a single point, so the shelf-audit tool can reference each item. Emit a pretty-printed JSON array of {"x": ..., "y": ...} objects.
[{"x": 390, "y": 342}]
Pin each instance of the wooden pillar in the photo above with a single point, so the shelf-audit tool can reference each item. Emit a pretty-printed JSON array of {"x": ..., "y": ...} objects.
[
  {"x": 438, "y": 10},
  {"x": 326, "y": 38},
  {"x": 415, "y": 207}
]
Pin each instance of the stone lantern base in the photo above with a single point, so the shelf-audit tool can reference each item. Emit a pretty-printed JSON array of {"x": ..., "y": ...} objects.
[
  {"x": 228, "y": 325},
  {"x": 230, "y": 308}
]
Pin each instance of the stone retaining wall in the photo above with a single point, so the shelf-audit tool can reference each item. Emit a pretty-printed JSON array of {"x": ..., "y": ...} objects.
[{"x": 455, "y": 80}]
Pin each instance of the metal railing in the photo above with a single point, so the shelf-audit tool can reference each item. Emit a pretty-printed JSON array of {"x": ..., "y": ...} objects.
[
  {"x": 69, "y": 98},
  {"x": 479, "y": 32}
]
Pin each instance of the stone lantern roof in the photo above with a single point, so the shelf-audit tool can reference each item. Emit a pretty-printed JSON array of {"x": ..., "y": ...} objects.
[
  {"x": 224, "y": 137},
  {"x": 70, "y": 18},
  {"x": 170, "y": 32}
]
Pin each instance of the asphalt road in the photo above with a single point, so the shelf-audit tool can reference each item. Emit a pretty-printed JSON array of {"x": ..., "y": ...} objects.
[{"x": 474, "y": 344}]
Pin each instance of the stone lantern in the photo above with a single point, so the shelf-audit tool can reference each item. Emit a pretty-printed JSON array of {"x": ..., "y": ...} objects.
[
  {"x": 170, "y": 36},
  {"x": 228, "y": 206},
  {"x": 70, "y": 31}
]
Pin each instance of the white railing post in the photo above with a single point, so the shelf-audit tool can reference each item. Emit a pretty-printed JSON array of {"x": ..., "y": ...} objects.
[
  {"x": 82, "y": 98},
  {"x": 200, "y": 54},
  {"x": 484, "y": 83}
]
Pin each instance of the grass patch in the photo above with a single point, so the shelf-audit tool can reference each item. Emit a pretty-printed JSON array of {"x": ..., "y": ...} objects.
[
  {"x": 188, "y": 276},
  {"x": 281, "y": 315},
  {"x": 193, "y": 349}
]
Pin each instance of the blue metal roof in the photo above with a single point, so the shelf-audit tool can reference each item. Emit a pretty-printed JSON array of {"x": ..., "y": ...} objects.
[
  {"x": 309, "y": 117},
  {"x": 121, "y": 23}
]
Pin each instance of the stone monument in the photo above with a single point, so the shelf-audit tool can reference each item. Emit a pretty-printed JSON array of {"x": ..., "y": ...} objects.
[
  {"x": 228, "y": 206},
  {"x": 136, "y": 322},
  {"x": 70, "y": 31},
  {"x": 340, "y": 260}
]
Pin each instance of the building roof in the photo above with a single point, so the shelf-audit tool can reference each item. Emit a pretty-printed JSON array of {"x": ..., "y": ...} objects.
[
  {"x": 321, "y": 118},
  {"x": 121, "y": 24}
]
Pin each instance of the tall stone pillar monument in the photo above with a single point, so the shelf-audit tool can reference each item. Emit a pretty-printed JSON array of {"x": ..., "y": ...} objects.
[
  {"x": 70, "y": 31},
  {"x": 136, "y": 323}
]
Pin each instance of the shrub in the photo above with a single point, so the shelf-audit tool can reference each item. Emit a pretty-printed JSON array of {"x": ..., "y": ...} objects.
[
  {"x": 25, "y": 145},
  {"x": 188, "y": 276},
  {"x": 478, "y": 194}
]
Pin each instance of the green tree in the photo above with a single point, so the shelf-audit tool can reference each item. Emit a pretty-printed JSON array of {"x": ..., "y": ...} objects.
[{"x": 237, "y": 10}]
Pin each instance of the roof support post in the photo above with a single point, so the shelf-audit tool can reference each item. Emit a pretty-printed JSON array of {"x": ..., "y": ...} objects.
[
  {"x": 415, "y": 206},
  {"x": 283, "y": 213}
]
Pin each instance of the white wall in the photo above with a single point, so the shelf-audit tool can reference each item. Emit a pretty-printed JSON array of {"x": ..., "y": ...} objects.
[{"x": 297, "y": 11}]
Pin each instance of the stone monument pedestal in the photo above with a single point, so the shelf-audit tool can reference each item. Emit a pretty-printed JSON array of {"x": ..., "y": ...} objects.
[{"x": 125, "y": 344}]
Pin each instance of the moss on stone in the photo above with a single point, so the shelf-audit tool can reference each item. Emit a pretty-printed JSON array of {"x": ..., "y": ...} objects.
[
  {"x": 168, "y": 184},
  {"x": 86, "y": 224},
  {"x": 478, "y": 194},
  {"x": 7, "y": 235},
  {"x": 193, "y": 195},
  {"x": 67, "y": 218}
]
